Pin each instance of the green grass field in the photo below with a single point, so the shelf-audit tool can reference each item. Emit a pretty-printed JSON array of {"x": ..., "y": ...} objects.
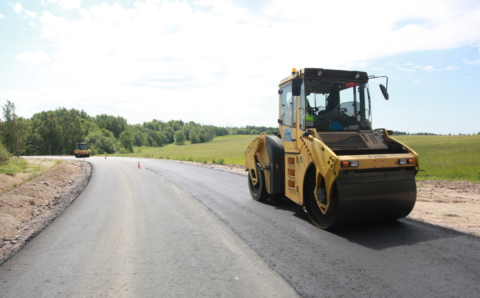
[
  {"x": 442, "y": 157},
  {"x": 446, "y": 157},
  {"x": 230, "y": 149}
]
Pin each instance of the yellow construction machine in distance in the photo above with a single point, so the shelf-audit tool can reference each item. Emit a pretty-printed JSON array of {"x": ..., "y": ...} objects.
[
  {"x": 82, "y": 150},
  {"x": 328, "y": 158}
]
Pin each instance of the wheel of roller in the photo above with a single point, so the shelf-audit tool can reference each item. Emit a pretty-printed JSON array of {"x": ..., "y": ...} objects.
[
  {"x": 323, "y": 221},
  {"x": 258, "y": 192}
]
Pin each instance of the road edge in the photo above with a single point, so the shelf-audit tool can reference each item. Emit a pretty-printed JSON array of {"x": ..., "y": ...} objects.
[{"x": 68, "y": 196}]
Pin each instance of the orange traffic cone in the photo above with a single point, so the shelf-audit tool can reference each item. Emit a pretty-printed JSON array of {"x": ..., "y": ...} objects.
[{"x": 139, "y": 165}]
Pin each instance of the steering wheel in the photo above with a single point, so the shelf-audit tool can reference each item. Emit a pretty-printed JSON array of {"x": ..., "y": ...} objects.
[{"x": 344, "y": 118}]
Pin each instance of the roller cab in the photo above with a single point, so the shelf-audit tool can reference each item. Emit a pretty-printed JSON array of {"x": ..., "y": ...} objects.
[{"x": 328, "y": 158}]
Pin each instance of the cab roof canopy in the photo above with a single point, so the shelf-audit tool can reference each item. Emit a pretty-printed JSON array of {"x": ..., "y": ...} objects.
[{"x": 329, "y": 74}]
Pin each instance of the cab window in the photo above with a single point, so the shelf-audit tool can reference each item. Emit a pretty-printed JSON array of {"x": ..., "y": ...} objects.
[
  {"x": 335, "y": 105},
  {"x": 286, "y": 110}
]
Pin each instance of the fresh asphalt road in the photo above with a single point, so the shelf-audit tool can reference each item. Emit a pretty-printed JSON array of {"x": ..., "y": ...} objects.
[{"x": 173, "y": 229}]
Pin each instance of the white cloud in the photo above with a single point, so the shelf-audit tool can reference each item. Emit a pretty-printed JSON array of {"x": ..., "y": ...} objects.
[
  {"x": 31, "y": 14},
  {"x": 37, "y": 57},
  {"x": 70, "y": 4},
  {"x": 67, "y": 4},
  {"x": 164, "y": 55},
  {"x": 451, "y": 67},
  {"x": 17, "y": 7},
  {"x": 1, "y": 16},
  {"x": 473, "y": 62},
  {"x": 428, "y": 68}
]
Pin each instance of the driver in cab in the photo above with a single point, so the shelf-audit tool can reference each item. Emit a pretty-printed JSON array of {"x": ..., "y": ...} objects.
[{"x": 328, "y": 119}]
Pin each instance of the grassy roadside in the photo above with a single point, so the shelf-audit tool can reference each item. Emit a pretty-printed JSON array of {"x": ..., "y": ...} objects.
[
  {"x": 14, "y": 166},
  {"x": 442, "y": 157},
  {"x": 18, "y": 171}
]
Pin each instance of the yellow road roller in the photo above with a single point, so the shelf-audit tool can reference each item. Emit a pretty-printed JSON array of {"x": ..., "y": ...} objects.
[
  {"x": 326, "y": 156},
  {"x": 82, "y": 150}
]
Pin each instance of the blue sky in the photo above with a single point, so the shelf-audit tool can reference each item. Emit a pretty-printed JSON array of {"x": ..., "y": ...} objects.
[{"x": 220, "y": 61}]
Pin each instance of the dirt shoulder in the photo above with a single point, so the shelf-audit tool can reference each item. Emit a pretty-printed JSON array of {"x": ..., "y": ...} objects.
[
  {"x": 450, "y": 204},
  {"x": 25, "y": 210}
]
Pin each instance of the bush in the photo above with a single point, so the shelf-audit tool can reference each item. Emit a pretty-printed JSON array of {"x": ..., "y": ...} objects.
[
  {"x": 4, "y": 155},
  {"x": 93, "y": 150},
  {"x": 220, "y": 161},
  {"x": 13, "y": 166}
]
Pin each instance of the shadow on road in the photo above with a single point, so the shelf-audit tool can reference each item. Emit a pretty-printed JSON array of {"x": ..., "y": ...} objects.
[
  {"x": 286, "y": 204},
  {"x": 377, "y": 236},
  {"x": 397, "y": 233}
]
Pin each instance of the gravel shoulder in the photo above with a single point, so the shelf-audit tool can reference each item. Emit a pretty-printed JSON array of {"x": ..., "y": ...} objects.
[
  {"x": 25, "y": 210},
  {"x": 450, "y": 204}
]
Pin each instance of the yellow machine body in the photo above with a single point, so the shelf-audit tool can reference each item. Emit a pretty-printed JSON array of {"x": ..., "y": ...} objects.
[
  {"x": 341, "y": 170},
  {"x": 82, "y": 150}
]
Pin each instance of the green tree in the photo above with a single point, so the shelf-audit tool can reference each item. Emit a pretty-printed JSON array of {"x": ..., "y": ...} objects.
[
  {"x": 179, "y": 137},
  {"x": 139, "y": 138},
  {"x": 114, "y": 124},
  {"x": 89, "y": 126},
  {"x": 170, "y": 133},
  {"x": 48, "y": 127},
  {"x": 71, "y": 130},
  {"x": 14, "y": 130},
  {"x": 126, "y": 139},
  {"x": 35, "y": 144},
  {"x": 156, "y": 138},
  {"x": 176, "y": 125},
  {"x": 57, "y": 132},
  {"x": 103, "y": 141},
  {"x": 193, "y": 136}
]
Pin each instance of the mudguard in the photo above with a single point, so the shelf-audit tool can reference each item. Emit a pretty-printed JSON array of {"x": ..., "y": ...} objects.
[
  {"x": 276, "y": 166},
  {"x": 268, "y": 153}
]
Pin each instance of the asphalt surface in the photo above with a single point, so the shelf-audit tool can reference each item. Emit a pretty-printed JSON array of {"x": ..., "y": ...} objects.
[
  {"x": 133, "y": 233},
  {"x": 172, "y": 229}
]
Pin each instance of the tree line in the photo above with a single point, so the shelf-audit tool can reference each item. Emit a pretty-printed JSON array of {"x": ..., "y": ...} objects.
[
  {"x": 404, "y": 133},
  {"x": 57, "y": 132}
]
